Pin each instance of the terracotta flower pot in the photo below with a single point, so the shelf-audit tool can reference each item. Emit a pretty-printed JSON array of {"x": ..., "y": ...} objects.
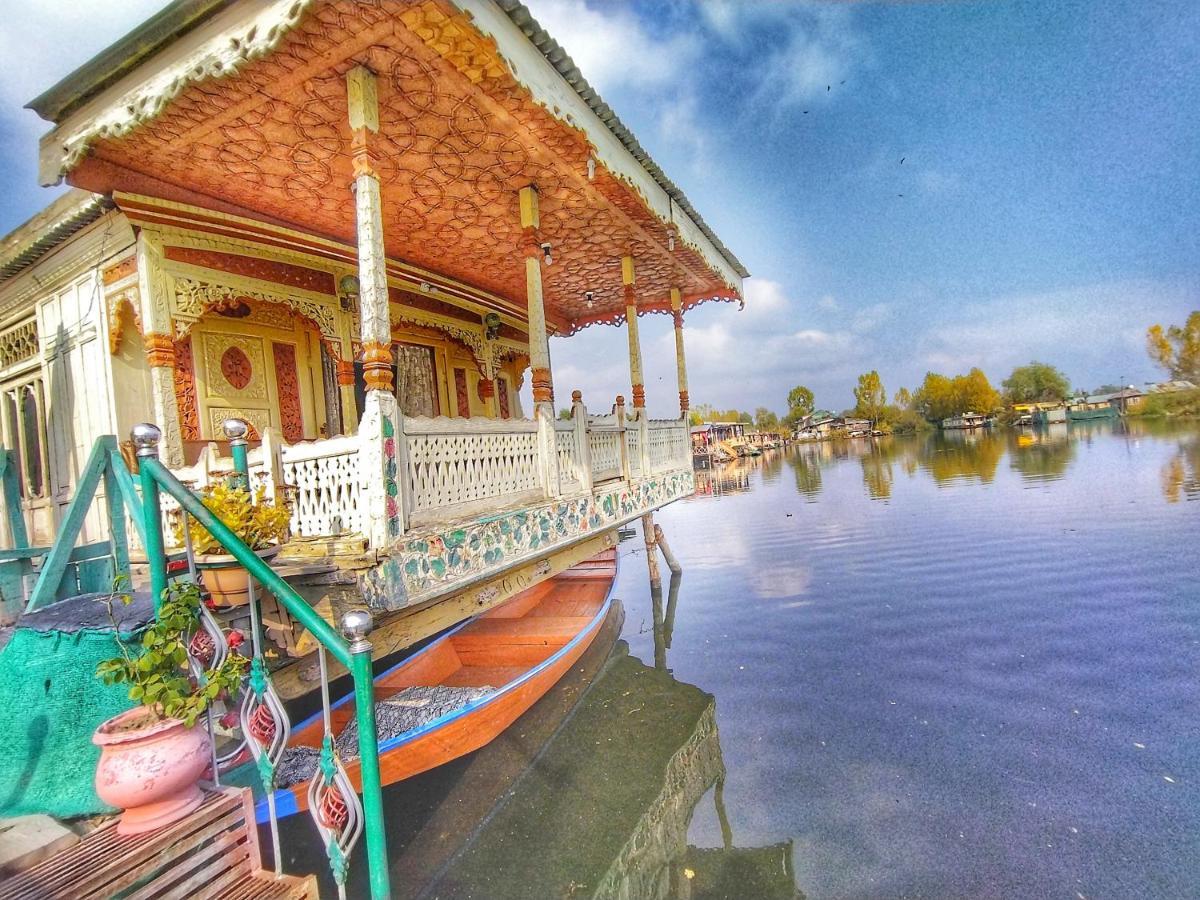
[
  {"x": 149, "y": 767},
  {"x": 225, "y": 579}
]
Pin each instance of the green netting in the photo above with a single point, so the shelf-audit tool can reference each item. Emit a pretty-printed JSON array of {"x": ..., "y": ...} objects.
[{"x": 52, "y": 702}]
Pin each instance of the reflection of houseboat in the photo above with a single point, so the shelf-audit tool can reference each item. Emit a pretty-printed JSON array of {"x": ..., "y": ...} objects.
[
  {"x": 549, "y": 816},
  {"x": 967, "y": 420}
]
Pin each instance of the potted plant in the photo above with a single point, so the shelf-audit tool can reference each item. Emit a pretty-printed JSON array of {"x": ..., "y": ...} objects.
[
  {"x": 261, "y": 524},
  {"x": 152, "y": 756}
]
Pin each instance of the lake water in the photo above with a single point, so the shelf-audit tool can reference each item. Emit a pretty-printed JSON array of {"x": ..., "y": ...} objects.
[{"x": 960, "y": 666}]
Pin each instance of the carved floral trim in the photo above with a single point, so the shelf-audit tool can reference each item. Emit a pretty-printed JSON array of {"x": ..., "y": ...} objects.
[{"x": 185, "y": 390}]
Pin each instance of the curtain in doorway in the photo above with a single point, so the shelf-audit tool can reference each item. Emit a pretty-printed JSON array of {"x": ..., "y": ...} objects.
[{"x": 416, "y": 386}]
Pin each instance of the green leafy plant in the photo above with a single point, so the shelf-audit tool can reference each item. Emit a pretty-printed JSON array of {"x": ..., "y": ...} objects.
[
  {"x": 155, "y": 666},
  {"x": 253, "y": 518}
]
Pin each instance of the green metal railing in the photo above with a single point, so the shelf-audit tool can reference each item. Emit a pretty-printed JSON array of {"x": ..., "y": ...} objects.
[
  {"x": 66, "y": 569},
  {"x": 353, "y": 651}
]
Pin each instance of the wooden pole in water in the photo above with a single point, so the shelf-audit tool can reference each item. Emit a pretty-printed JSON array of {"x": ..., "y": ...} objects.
[
  {"x": 661, "y": 540},
  {"x": 651, "y": 551}
]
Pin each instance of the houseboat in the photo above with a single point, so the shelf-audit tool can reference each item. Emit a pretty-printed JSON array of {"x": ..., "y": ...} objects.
[
  {"x": 322, "y": 247},
  {"x": 967, "y": 420},
  {"x": 1096, "y": 407},
  {"x": 1050, "y": 415}
]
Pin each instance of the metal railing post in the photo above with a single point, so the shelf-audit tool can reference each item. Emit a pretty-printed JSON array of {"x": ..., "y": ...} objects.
[
  {"x": 235, "y": 430},
  {"x": 356, "y": 625},
  {"x": 145, "y": 439}
]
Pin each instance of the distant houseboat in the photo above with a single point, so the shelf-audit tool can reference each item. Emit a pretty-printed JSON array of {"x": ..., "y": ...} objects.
[
  {"x": 966, "y": 420},
  {"x": 1088, "y": 410},
  {"x": 1056, "y": 415}
]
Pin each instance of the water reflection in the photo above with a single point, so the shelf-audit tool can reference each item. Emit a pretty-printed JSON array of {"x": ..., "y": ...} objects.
[
  {"x": 724, "y": 478},
  {"x": 1181, "y": 474},
  {"x": 1042, "y": 455},
  {"x": 589, "y": 794},
  {"x": 877, "y": 471},
  {"x": 1039, "y": 455}
]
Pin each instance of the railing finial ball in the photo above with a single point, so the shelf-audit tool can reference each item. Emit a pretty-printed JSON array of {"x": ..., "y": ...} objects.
[
  {"x": 145, "y": 437},
  {"x": 235, "y": 429},
  {"x": 356, "y": 625}
]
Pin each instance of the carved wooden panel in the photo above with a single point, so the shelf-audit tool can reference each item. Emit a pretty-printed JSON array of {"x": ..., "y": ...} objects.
[
  {"x": 447, "y": 469},
  {"x": 502, "y": 394},
  {"x": 18, "y": 343},
  {"x": 257, "y": 419},
  {"x": 234, "y": 367},
  {"x": 254, "y": 267},
  {"x": 185, "y": 390},
  {"x": 287, "y": 383},
  {"x": 461, "y": 395}
]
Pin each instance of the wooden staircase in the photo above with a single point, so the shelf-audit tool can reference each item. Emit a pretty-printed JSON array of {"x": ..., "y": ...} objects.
[{"x": 213, "y": 853}]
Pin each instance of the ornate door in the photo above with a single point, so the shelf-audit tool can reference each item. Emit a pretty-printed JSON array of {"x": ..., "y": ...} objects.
[{"x": 265, "y": 378}]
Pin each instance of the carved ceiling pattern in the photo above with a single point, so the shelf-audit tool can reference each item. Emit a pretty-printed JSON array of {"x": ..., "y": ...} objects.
[{"x": 460, "y": 137}]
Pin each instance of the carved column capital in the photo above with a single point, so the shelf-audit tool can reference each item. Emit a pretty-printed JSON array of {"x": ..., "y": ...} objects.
[
  {"x": 377, "y": 366},
  {"x": 160, "y": 350}
]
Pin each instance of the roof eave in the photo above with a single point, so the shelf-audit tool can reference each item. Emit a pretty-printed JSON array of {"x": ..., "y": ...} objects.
[
  {"x": 114, "y": 62},
  {"x": 43, "y": 236},
  {"x": 520, "y": 16}
]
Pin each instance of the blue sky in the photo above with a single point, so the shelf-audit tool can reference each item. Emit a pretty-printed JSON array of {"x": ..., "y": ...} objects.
[{"x": 1047, "y": 205}]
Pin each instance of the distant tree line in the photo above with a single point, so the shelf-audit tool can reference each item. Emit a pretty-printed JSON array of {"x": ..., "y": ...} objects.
[{"x": 1176, "y": 348}]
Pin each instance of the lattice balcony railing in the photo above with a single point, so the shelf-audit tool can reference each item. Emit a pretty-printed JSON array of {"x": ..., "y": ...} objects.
[
  {"x": 326, "y": 495},
  {"x": 454, "y": 461}
]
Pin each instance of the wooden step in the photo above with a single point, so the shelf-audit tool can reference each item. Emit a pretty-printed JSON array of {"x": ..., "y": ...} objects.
[{"x": 211, "y": 853}]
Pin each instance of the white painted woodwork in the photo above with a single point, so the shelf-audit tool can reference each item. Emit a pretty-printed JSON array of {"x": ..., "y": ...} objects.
[
  {"x": 453, "y": 467},
  {"x": 455, "y": 461}
]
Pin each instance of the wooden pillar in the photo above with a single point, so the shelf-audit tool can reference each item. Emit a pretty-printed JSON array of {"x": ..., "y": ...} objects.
[
  {"x": 680, "y": 360},
  {"x": 382, "y": 428},
  {"x": 374, "y": 314},
  {"x": 539, "y": 343},
  {"x": 637, "y": 379},
  {"x": 154, "y": 290}
]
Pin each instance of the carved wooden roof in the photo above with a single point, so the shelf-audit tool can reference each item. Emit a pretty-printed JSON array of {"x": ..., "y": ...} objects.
[{"x": 460, "y": 135}]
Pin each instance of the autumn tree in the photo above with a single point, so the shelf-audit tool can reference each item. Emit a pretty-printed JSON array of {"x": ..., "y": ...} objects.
[
  {"x": 1036, "y": 382},
  {"x": 869, "y": 396},
  {"x": 935, "y": 398},
  {"x": 903, "y": 398},
  {"x": 975, "y": 393},
  {"x": 940, "y": 397},
  {"x": 1177, "y": 348}
]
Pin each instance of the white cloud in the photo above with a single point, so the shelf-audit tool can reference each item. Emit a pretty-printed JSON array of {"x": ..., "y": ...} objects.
[
  {"x": 1093, "y": 327},
  {"x": 870, "y": 318},
  {"x": 828, "y": 303},
  {"x": 610, "y": 45}
]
